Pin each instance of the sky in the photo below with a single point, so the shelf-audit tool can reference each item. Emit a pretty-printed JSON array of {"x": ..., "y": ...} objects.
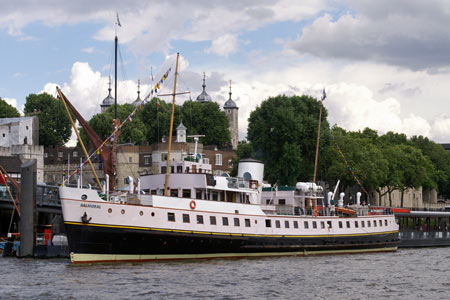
[{"x": 384, "y": 64}]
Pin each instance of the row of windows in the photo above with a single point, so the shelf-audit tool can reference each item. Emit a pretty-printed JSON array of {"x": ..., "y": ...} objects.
[
  {"x": 212, "y": 220},
  {"x": 295, "y": 224}
]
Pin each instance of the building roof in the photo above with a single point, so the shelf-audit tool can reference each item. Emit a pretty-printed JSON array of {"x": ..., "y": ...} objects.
[
  {"x": 14, "y": 120},
  {"x": 230, "y": 103},
  {"x": 181, "y": 126},
  {"x": 204, "y": 97}
]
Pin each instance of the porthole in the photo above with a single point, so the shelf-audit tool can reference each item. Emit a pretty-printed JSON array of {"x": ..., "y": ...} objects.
[
  {"x": 109, "y": 210},
  {"x": 83, "y": 197},
  {"x": 141, "y": 213},
  {"x": 122, "y": 211},
  {"x": 153, "y": 214}
]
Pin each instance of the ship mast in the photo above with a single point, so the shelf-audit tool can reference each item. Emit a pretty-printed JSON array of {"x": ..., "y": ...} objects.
[
  {"x": 318, "y": 136},
  {"x": 171, "y": 127}
]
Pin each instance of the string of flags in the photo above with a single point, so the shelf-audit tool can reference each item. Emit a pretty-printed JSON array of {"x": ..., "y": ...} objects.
[
  {"x": 347, "y": 164},
  {"x": 130, "y": 118}
]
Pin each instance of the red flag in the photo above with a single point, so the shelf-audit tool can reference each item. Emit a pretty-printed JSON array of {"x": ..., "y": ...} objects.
[{"x": 2, "y": 179}]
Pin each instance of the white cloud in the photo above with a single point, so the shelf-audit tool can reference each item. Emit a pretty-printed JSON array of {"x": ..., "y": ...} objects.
[
  {"x": 224, "y": 45},
  {"x": 11, "y": 101},
  {"x": 88, "y": 50}
]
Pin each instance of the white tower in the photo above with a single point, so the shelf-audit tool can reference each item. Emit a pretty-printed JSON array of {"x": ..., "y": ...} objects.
[
  {"x": 181, "y": 133},
  {"x": 232, "y": 110}
]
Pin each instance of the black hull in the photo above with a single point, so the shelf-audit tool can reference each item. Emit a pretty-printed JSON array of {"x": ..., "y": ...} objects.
[{"x": 108, "y": 240}]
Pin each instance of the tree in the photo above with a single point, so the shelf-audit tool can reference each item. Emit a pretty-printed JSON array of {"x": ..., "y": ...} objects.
[
  {"x": 132, "y": 132},
  {"x": 7, "y": 111},
  {"x": 363, "y": 156},
  {"x": 54, "y": 124},
  {"x": 208, "y": 119},
  {"x": 440, "y": 159},
  {"x": 284, "y": 131}
]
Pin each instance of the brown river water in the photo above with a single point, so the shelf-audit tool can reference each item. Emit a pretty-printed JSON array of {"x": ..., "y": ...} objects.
[{"x": 422, "y": 273}]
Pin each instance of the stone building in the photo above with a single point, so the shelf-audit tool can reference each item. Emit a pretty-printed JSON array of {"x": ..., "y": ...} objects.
[{"x": 19, "y": 137}]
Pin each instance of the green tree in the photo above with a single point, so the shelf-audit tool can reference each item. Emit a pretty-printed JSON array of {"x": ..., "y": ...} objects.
[
  {"x": 363, "y": 156},
  {"x": 54, "y": 124},
  {"x": 440, "y": 159},
  {"x": 283, "y": 130},
  {"x": 7, "y": 111},
  {"x": 208, "y": 119},
  {"x": 132, "y": 132}
]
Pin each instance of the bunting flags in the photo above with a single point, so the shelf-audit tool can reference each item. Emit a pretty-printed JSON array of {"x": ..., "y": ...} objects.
[
  {"x": 128, "y": 119},
  {"x": 324, "y": 95}
]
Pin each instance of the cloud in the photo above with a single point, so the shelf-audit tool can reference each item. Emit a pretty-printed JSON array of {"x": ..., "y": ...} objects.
[
  {"x": 224, "y": 45},
  {"x": 88, "y": 50},
  {"x": 410, "y": 34}
]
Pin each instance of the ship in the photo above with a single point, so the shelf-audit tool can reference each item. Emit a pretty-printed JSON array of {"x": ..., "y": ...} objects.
[{"x": 204, "y": 216}]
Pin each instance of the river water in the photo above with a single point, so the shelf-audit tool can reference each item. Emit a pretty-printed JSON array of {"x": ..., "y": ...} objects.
[{"x": 406, "y": 274}]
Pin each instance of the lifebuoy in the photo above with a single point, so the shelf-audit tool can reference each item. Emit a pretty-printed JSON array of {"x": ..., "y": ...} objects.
[
  {"x": 192, "y": 204},
  {"x": 315, "y": 212}
]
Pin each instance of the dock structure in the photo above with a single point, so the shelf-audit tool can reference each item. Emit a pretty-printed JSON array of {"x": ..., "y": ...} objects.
[{"x": 424, "y": 228}]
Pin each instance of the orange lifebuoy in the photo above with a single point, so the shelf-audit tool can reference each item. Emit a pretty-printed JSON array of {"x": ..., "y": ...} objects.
[{"x": 192, "y": 204}]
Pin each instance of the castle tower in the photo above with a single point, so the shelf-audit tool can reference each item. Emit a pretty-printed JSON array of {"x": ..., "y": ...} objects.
[
  {"x": 109, "y": 100},
  {"x": 138, "y": 99},
  {"x": 232, "y": 110}
]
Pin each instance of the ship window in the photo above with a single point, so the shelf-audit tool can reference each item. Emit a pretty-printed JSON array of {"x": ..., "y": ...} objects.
[
  {"x": 282, "y": 201},
  {"x": 322, "y": 224},
  {"x": 186, "y": 193},
  {"x": 330, "y": 224},
  {"x": 314, "y": 224},
  {"x": 348, "y": 224},
  {"x": 368, "y": 223},
  {"x": 153, "y": 192},
  {"x": 247, "y": 222},
  {"x": 225, "y": 221},
  {"x": 286, "y": 224},
  {"x": 306, "y": 225},
  {"x": 385, "y": 223},
  {"x": 199, "y": 219},
  {"x": 363, "y": 224},
  {"x": 186, "y": 218},
  {"x": 174, "y": 193},
  {"x": 215, "y": 196},
  {"x": 295, "y": 224},
  {"x": 171, "y": 217},
  {"x": 381, "y": 223},
  {"x": 374, "y": 223},
  {"x": 179, "y": 169},
  {"x": 340, "y": 224},
  {"x": 356, "y": 224},
  {"x": 198, "y": 194},
  {"x": 212, "y": 220},
  {"x": 236, "y": 222},
  {"x": 163, "y": 170},
  {"x": 268, "y": 223},
  {"x": 277, "y": 224}
]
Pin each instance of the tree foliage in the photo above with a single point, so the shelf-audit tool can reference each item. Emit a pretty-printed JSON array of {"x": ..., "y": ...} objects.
[
  {"x": 54, "y": 124},
  {"x": 133, "y": 132},
  {"x": 7, "y": 111},
  {"x": 283, "y": 131}
]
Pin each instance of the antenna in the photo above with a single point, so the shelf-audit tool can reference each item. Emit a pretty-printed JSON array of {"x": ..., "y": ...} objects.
[{"x": 196, "y": 138}]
